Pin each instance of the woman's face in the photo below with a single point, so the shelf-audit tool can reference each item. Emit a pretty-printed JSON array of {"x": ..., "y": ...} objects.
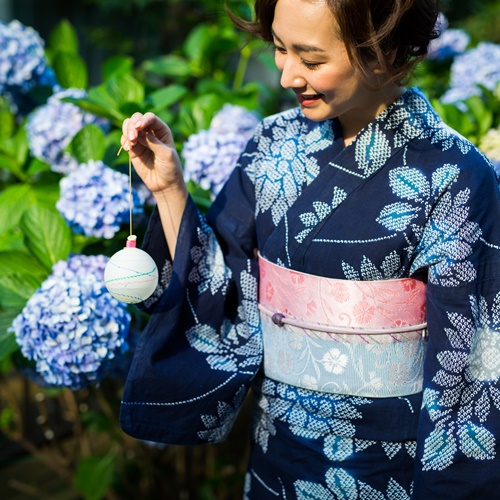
[{"x": 314, "y": 64}]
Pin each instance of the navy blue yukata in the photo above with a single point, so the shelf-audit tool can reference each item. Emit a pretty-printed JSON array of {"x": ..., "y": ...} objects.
[{"x": 408, "y": 197}]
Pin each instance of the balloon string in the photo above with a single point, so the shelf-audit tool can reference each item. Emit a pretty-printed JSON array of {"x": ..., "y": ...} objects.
[
  {"x": 130, "y": 195},
  {"x": 130, "y": 198},
  {"x": 130, "y": 191}
]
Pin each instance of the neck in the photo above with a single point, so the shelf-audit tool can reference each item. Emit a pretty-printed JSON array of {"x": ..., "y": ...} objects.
[{"x": 377, "y": 102}]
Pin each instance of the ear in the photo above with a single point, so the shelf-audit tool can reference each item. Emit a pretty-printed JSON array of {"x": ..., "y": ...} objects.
[{"x": 389, "y": 57}]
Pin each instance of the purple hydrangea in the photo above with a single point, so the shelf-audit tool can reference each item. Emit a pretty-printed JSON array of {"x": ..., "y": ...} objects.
[
  {"x": 480, "y": 65},
  {"x": 71, "y": 327},
  {"x": 52, "y": 126},
  {"x": 95, "y": 200},
  {"x": 211, "y": 155},
  {"x": 23, "y": 65}
]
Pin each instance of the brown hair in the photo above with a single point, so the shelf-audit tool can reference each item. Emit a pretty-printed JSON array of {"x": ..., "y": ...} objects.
[{"x": 392, "y": 35}]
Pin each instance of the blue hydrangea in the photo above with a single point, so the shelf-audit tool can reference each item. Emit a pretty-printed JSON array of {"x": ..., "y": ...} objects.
[
  {"x": 23, "y": 64},
  {"x": 211, "y": 155},
  {"x": 449, "y": 44},
  {"x": 52, "y": 126},
  {"x": 71, "y": 327},
  {"x": 480, "y": 65},
  {"x": 95, "y": 200}
]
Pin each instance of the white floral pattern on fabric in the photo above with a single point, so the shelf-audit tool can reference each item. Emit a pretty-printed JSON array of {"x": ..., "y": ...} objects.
[
  {"x": 210, "y": 271},
  {"x": 218, "y": 426},
  {"x": 340, "y": 484},
  {"x": 467, "y": 375},
  {"x": 235, "y": 347},
  {"x": 282, "y": 165}
]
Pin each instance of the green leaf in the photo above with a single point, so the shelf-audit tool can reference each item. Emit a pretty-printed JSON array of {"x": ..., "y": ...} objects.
[
  {"x": 117, "y": 65},
  {"x": 480, "y": 111},
  {"x": 47, "y": 235},
  {"x": 125, "y": 88},
  {"x": 166, "y": 96},
  {"x": 94, "y": 476},
  {"x": 17, "y": 288},
  {"x": 204, "y": 109},
  {"x": 197, "y": 42},
  {"x": 7, "y": 123},
  {"x": 10, "y": 164},
  {"x": 8, "y": 343},
  {"x": 170, "y": 65},
  {"x": 112, "y": 147},
  {"x": 88, "y": 144},
  {"x": 63, "y": 38},
  {"x": 14, "y": 200},
  {"x": 20, "y": 263},
  {"x": 15, "y": 149},
  {"x": 46, "y": 191},
  {"x": 37, "y": 166},
  {"x": 70, "y": 70}
]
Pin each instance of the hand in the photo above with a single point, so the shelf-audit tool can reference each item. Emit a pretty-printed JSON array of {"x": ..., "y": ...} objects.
[{"x": 152, "y": 150}]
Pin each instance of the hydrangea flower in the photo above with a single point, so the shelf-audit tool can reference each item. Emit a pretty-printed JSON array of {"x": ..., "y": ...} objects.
[
  {"x": 449, "y": 44},
  {"x": 52, "y": 126},
  {"x": 490, "y": 146},
  {"x": 23, "y": 65},
  {"x": 71, "y": 327},
  {"x": 480, "y": 65},
  {"x": 211, "y": 155},
  {"x": 95, "y": 200}
]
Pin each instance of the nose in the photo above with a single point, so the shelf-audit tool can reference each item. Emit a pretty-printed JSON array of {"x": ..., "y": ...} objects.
[{"x": 291, "y": 75}]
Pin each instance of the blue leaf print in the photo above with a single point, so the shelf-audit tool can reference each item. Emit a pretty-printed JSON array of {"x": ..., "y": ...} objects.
[
  {"x": 342, "y": 484},
  {"x": 306, "y": 490},
  {"x": 372, "y": 150},
  {"x": 397, "y": 216},
  {"x": 443, "y": 177},
  {"x": 409, "y": 183},
  {"x": 338, "y": 448},
  {"x": 439, "y": 449},
  {"x": 203, "y": 338},
  {"x": 476, "y": 442}
]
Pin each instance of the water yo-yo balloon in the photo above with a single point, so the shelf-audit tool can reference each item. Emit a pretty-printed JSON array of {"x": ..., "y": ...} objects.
[{"x": 131, "y": 274}]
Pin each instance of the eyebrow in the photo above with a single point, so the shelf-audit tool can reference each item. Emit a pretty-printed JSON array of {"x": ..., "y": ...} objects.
[{"x": 298, "y": 47}]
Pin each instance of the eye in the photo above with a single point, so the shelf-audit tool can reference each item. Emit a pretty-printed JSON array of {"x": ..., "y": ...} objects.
[
  {"x": 279, "y": 49},
  {"x": 310, "y": 65}
]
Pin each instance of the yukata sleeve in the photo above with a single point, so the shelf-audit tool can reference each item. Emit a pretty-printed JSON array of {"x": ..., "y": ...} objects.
[
  {"x": 202, "y": 346},
  {"x": 459, "y": 426}
]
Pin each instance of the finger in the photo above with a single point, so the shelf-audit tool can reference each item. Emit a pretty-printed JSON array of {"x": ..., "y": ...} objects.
[
  {"x": 150, "y": 141},
  {"x": 131, "y": 127},
  {"x": 151, "y": 123},
  {"x": 123, "y": 138}
]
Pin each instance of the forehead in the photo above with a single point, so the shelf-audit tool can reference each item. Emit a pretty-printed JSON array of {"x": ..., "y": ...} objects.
[{"x": 306, "y": 22}]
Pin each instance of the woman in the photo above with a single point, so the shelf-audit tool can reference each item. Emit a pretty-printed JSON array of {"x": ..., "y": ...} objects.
[{"x": 345, "y": 219}]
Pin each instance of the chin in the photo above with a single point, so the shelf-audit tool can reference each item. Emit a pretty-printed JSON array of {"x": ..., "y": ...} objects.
[{"x": 317, "y": 115}]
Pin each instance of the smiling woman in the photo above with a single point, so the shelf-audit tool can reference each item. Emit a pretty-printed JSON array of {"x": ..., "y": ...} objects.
[
  {"x": 347, "y": 272},
  {"x": 315, "y": 64}
]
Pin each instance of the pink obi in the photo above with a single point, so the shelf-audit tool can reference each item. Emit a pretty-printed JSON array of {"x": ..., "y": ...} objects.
[{"x": 363, "y": 338}]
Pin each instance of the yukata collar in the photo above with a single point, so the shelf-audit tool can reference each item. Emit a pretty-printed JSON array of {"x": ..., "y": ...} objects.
[{"x": 408, "y": 118}]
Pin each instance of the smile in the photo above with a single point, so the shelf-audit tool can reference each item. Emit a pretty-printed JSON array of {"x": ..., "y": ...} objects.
[{"x": 308, "y": 99}]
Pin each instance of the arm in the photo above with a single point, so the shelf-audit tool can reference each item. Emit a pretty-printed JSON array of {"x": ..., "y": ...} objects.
[
  {"x": 151, "y": 147},
  {"x": 459, "y": 426},
  {"x": 202, "y": 346}
]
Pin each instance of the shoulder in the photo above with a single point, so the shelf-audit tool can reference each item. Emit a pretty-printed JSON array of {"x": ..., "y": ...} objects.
[
  {"x": 438, "y": 145},
  {"x": 290, "y": 122}
]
